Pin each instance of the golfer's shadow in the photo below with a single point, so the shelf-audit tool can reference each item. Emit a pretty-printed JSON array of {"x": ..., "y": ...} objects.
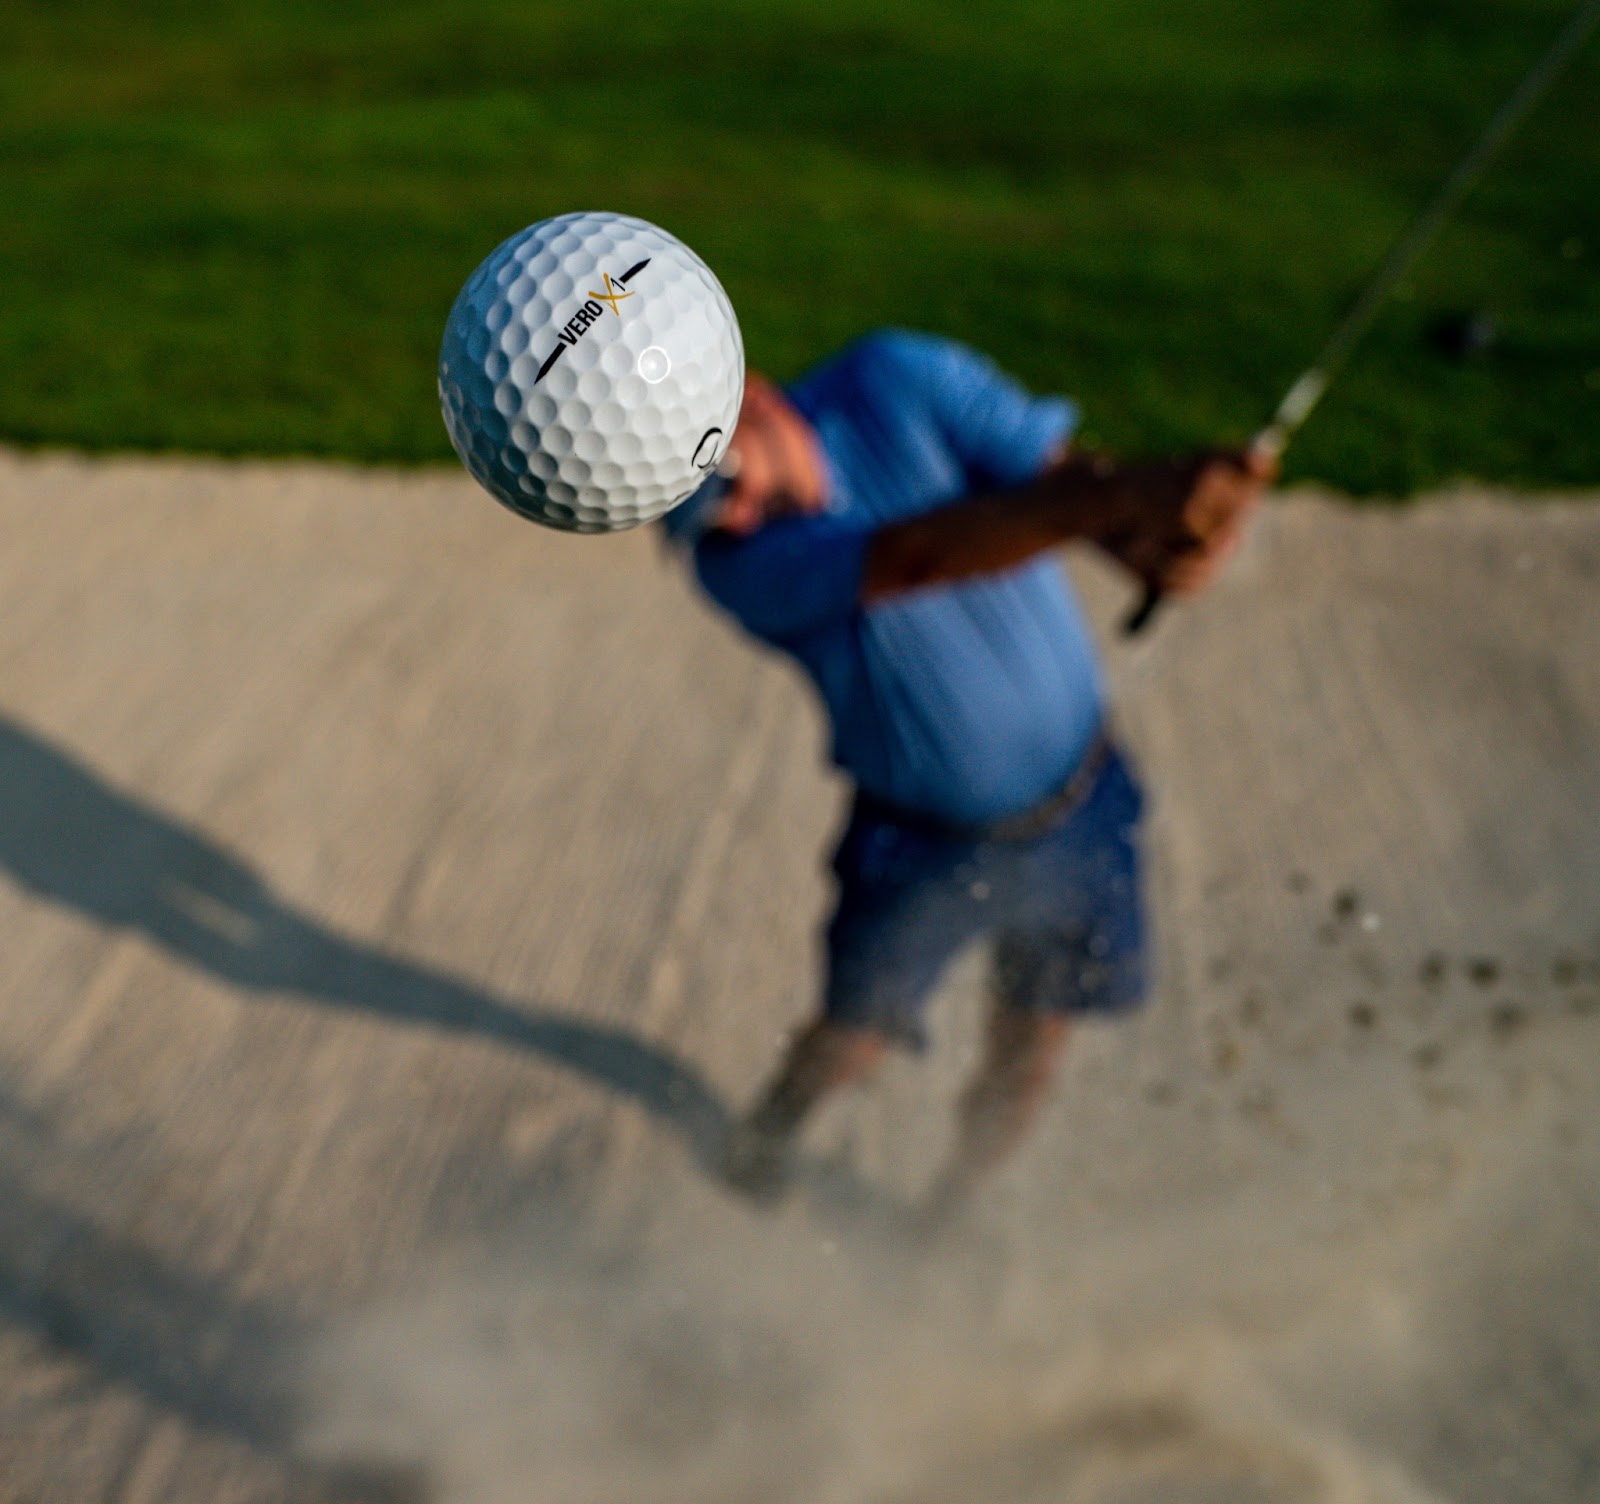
[{"x": 69, "y": 837}]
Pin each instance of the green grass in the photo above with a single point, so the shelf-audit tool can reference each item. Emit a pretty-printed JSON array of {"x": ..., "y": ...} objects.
[{"x": 237, "y": 227}]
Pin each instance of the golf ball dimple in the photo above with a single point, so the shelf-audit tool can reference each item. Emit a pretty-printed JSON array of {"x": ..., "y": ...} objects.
[{"x": 591, "y": 371}]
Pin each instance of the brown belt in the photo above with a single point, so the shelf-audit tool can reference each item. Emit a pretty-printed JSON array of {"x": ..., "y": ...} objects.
[{"x": 1028, "y": 825}]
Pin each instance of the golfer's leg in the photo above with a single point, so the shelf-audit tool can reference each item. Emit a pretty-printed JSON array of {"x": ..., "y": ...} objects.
[
  {"x": 824, "y": 1058},
  {"x": 1080, "y": 949},
  {"x": 1002, "y": 1101},
  {"x": 885, "y": 954}
]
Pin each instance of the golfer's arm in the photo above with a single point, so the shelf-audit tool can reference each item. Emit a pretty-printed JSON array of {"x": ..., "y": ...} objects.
[{"x": 990, "y": 533}]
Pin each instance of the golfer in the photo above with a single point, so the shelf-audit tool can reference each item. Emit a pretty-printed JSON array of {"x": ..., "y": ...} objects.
[{"x": 891, "y": 526}]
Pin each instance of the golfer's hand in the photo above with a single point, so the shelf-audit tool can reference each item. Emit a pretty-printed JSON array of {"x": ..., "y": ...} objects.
[{"x": 1174, "y": 523}]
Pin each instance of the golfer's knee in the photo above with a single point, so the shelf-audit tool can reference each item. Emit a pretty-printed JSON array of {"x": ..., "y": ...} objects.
[
  {"x": 1025, "y": 1043},
  {"x": 840, "y": 1053}
]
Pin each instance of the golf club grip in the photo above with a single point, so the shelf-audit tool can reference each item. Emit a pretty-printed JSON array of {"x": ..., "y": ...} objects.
[{"x": 1144, "y": 613}]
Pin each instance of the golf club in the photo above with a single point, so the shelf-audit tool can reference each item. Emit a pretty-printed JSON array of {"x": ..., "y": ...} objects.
[{"x": 1308, "y": 388}]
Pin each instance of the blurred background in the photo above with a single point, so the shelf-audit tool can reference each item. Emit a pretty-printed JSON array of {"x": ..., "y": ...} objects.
[{"x": 236, "y": 227}]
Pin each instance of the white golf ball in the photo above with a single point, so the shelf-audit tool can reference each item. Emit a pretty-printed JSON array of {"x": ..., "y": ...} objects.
[{"x": 591, "y": 372}]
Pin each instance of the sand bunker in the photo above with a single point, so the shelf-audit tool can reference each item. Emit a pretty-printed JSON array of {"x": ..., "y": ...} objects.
[{"x": 398, "y": 899}]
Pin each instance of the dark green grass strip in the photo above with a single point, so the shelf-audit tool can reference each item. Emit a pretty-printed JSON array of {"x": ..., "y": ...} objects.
[{"x": 237, "y": 227}]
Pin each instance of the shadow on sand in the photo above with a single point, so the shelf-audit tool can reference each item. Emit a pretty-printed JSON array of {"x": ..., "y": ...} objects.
[
  {"x": 71, "y": 838},
  {"x": 128, "y": 1319},
  {"x": 184, "y": 1342}
]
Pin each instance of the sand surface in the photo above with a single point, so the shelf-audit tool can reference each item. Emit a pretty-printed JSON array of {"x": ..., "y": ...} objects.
[{"x": 398, "y": 898}]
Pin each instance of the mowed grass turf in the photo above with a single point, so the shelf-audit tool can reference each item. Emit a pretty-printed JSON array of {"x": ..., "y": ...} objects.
[{"x": 237, "y": 226}]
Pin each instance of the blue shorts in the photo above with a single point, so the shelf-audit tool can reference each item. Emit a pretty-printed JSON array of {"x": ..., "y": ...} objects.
[{"x": 1063, "y": 910}]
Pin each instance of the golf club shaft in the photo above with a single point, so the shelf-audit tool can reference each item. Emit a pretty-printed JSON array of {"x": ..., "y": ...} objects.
[{"x": 1303, "y": 396}]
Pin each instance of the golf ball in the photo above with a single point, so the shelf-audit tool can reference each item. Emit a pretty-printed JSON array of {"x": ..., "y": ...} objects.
[{"x": 591, "y": 372}]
